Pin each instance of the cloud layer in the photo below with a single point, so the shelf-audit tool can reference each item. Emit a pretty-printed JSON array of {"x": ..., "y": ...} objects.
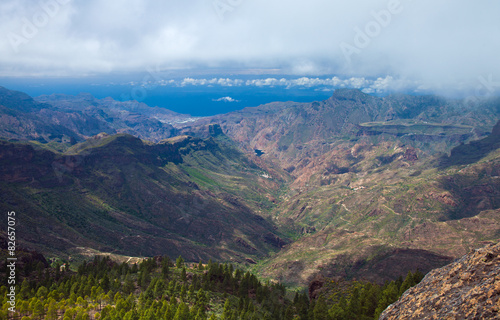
[
  {"x": 379, "y": 85},
  {"x": 444, "y": 45}
]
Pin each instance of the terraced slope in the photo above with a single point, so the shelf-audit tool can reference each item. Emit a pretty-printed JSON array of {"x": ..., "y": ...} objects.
[{"x": 383, "y": 212}]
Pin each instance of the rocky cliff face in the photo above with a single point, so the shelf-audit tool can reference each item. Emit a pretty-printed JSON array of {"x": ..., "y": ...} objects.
[{"x": 466, "y": 289}]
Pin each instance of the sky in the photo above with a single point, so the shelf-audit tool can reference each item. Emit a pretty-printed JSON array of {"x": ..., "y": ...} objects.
[{"x": 443, "y": 46}]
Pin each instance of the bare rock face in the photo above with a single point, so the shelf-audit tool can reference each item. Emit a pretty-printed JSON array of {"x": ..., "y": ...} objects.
[
  {"x": 410, "y": 155},
  {"x": 466, "y": 289},
  {"x": 315, "y": 286}
]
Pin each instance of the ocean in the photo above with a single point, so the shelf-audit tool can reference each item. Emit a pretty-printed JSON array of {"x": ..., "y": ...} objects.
[{"x": 195, "y": 100}]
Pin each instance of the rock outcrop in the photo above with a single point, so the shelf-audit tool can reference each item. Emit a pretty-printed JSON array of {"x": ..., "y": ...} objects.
[{"x": 466, "y": 289}]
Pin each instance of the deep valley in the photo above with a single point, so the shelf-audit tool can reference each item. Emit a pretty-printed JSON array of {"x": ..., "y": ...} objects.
[{"x": 353, "y": 188}]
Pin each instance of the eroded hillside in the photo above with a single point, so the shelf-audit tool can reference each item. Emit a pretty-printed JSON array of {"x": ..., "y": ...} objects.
[
  {"x": 380, "y": 218},
  {"x": 119, "y": 194},
  {"x": 355, "y": 186}
]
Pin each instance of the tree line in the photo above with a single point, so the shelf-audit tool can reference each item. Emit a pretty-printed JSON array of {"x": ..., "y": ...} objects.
[{"x": 159, "y": 288}]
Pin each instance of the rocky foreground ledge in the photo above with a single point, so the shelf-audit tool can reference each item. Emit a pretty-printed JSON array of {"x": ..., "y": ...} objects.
[{"x": 466, "y": 289}]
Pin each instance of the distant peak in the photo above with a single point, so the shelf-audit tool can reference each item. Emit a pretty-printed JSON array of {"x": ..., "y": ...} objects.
[
  {"x": 215, "y": 130},
  {"x": 347, "y": 93},
  {"x": 496, "y": 129},
  {"x": 17, "y": 100},
  {"x": 99, "y": 136},
  {"x": 86, "y": 95}
]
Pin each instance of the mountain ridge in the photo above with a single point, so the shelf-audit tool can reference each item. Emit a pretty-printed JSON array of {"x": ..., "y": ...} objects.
[
  {"x": 140, "y": 191},
  {"x": 293, "y": 133},
  {"x": 349, "y": 186}
]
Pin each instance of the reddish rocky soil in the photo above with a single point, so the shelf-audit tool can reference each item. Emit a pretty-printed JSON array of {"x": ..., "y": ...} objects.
[{"x": 466, "y": 289}]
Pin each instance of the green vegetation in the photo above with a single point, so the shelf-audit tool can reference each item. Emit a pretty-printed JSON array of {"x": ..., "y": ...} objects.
[
  {"x": 157, "y": 288},
  {"x": 154, "y": 289},
  {"x": 117, "y": 193},
  {"x": 357, "y": 195},
  {"x": 360, "y": 300},
  {"x": 393, "y": 196}
]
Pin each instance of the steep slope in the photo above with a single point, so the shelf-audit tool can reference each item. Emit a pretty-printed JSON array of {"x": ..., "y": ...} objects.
[
  {"x": 385, "y": 211},
  {"x": 296, "y": 134},
  {"x": 132, "y": 117},
  {"x": 374, "y": 193},
  {"x": 367, "y": 187},
  {"x": 70, "y": 119},
  {"x": 20, "y": 120},
  {"x": 119, "y": 194},
  {"x": 466, "y": 289}
]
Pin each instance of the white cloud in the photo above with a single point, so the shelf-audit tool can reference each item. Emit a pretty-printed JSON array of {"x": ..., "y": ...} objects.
[
  {"x": 225, "y": 99},
  {"x": 380, "y": 85},
  {"x": 443, "y": 45}
]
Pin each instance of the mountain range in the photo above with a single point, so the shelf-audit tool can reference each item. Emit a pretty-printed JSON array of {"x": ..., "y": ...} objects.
[{"x": 356, "y": 186}]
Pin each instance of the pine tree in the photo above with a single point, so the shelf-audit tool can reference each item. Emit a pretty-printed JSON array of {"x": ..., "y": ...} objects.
[
  {"x": 320, "y": 310},
  {"x": 105, "y": 282},
  {"x": 172, "y": 309},
  {"x": 134, "y": 269},
  {"x": 226, "y": 312},
  {"x": 38, "y": 309},
  {"x": 354, "y": 305},
  {"x": 117, "y": 297},
  {"x": 179, "y": 262},
  {"x": 70, "y": 313},
  {"x": 128, "y": 285},
  {"x": 52, "y": 311},
  {"x": 159, "y": 288},
  {"x": 25, "y": 289},
  {"x": 165, "y": 268},
  {"x": 144, "y": 278},
  {"x": 201, "y": 299},
  {"x": 370, "y": 294},
  {"x": 183, "y": 274},
  {"x": 411, "y": 280},
  {"x": 389, "y": 295},
  {"x": 183, "y": 291},
  {"x": 42, "y": 292},
  {"x": 171, "y": 288},
  {"x": 289, "y": 313},
  {"x": 182, "y": 312},
  {"x": 338, "y": 310}
]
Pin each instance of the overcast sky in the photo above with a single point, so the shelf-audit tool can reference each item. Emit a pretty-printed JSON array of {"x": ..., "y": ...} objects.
[{"x": 442, "y": 45}]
